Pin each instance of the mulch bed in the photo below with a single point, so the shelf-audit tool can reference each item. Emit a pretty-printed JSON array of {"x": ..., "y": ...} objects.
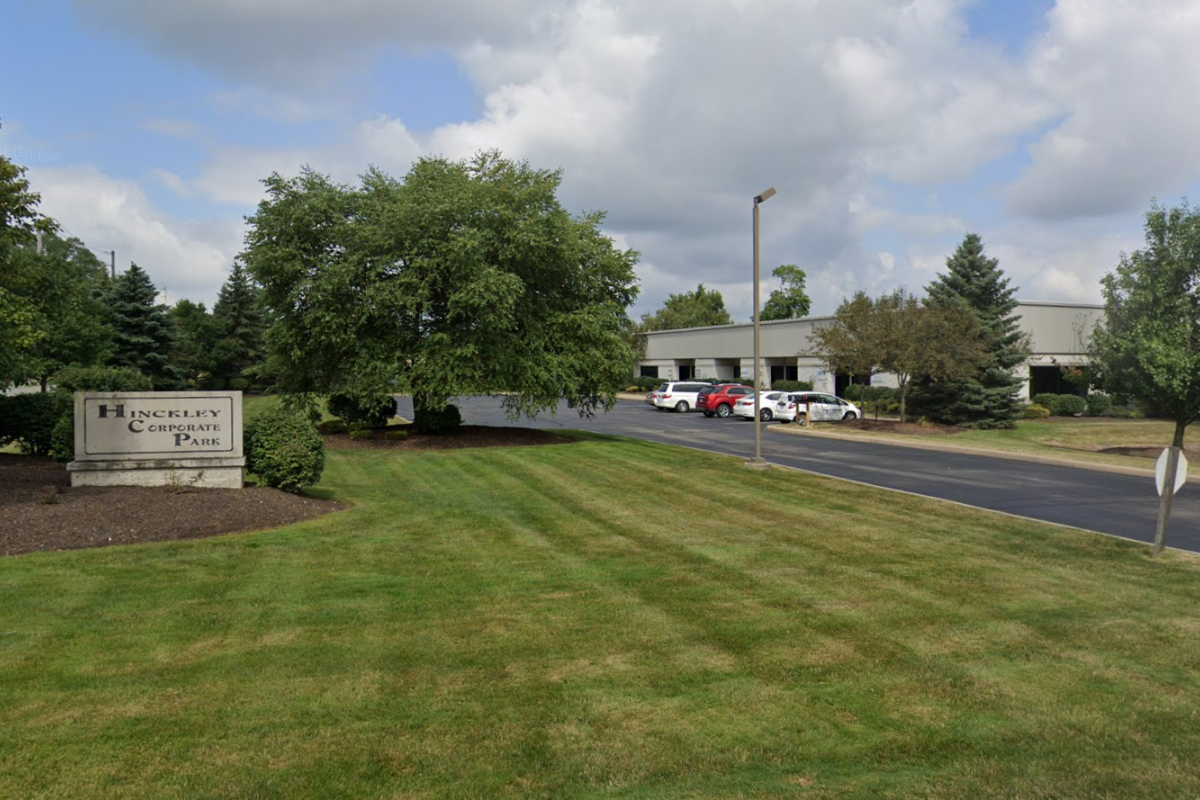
[{"x": 40, "y": 510}]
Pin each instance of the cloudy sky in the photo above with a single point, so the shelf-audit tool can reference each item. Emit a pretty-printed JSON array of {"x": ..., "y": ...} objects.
[{"x": 889, "y": 127}]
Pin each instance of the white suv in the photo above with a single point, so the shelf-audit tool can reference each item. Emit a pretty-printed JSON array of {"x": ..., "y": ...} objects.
[{"x": 679, "y": 395}]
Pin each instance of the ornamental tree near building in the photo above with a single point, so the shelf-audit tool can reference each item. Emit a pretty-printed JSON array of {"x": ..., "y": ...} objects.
[
  {"x": 898, "y": 334},
  {"x": 464, "y": 277},
  {"x": 1147, "y": 347}
]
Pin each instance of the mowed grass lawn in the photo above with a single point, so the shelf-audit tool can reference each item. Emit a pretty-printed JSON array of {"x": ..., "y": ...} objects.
[{"x": 605, "y": 619}]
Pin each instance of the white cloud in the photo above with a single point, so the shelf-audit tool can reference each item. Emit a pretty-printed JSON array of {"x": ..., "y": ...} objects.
[
  {"x": 187, "y": 258},
  {"x": 173, "y": 182},
  {"x": 1126, "y": 77},
  {"x": 671, "y": 115}
]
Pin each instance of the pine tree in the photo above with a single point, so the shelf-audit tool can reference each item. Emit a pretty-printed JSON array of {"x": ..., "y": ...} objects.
[
  {"x": 989, "y": 398},
  {"x": 145, "y": 335},
  {"x": 239, "y": 318}
]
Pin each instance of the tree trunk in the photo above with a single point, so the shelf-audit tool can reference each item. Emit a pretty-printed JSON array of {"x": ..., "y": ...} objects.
[{"x": 903, "y": 401}]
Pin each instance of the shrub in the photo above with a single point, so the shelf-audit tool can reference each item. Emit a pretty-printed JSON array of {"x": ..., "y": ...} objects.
[
  {"x": 395, "y": 436},
  {"x": 101, "y": 379},
  {"x": 361, "y": 434},
  {"x": 238, "y": 384},
  {"x": 62, "y": 437},
  {"x": 331, "y": 426},
  {"x": 214, "y": 384},
  {"x": 1098, "y": 404},
  {"x": 374, "y": 411},
  {"x": 854, "y": 392},
  {"x": 1124, "y": 412},
  {"x": 1048, "y": 402},
  {"x": 1071, "y": 405},
  {"x": 284, "y": 449},
  {"x": 647, "y": 384},
  {"x": 790, "y": 386},
  {"x": 29, "y": 420},
  {"x": 437, "y": 421},
  {"x": 632, "y": 389},
  {"x": 1034, "y": 411}
]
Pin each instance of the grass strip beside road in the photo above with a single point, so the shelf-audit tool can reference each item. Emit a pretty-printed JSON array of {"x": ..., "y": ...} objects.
[
  {"x": 1077, "y": 441},
  {"x": 609, "y": 618}
]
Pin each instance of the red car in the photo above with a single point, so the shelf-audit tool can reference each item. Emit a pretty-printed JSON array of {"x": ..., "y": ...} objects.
[{"x": 719, "y": 402}]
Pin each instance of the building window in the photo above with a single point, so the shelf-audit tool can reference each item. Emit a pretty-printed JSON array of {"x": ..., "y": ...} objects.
[
  {"x": 649, "y": 372},
  {"x": 1050, "y": 380}
]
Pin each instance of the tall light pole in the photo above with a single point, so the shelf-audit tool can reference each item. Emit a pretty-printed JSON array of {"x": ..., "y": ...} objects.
[{"x": 758, "y": 462}]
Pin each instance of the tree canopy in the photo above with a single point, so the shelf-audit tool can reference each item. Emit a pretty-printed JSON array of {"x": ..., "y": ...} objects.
[
  {"x": 19, "y": 218},
  {"x": 898, "y": 334},
  {"x": 698, "y": 309},
  {"x": 1147, "y": 347},
  {"x": 238, "y": 317},
  {"x": 464, "y": 277},
  {"x": 64, "y": 285},
  {"x": 144, "y": 333},
  {"x": 989, "y": 397},
  {"x": 789, "y": 301}
]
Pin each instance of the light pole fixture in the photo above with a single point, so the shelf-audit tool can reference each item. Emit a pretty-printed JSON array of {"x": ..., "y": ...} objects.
[{"x": 758, "y": 462}]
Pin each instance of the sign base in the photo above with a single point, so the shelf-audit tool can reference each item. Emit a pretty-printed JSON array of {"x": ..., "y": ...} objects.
[{"x": 208, "y": 473}]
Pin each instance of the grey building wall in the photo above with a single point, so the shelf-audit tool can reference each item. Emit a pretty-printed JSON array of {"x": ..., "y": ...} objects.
[{"x": 1058, "y": 334}]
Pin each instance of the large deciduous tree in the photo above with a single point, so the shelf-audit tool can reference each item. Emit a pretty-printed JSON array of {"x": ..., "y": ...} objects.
[
  {"x": 789, "y": 301},
  {"x": 462, "y": 278},
  {"x": 1148, "y": 345},
  {"x": 898, "y": 334},
  {"x": 989, "y": 397},
  {"x": 698, "y": 309},
  {"x": 19, "y": 220},
  {"x": 65, "y": 283}
]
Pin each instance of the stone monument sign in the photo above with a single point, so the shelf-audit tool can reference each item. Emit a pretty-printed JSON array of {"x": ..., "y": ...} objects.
[{"x": 158, "y": 439}]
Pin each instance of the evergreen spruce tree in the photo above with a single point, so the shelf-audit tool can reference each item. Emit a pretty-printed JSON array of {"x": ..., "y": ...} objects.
[
  {"x": 989, "y": 398},
  {"x": 145, "y": 334},
  {"x": 239, "y": 318}
]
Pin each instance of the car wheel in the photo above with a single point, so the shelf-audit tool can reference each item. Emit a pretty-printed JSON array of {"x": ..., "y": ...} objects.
[
  {"x": 850, "y": 415},
  {"x": 765, "y": 415},
  {"x": 709, "y": 414},
  {"x": 724, "y": 410},
  {"x": 681, "y": 406}
]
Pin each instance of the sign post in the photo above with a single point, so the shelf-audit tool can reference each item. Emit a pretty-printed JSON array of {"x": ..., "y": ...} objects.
[{"x": 1170, "y": 473}]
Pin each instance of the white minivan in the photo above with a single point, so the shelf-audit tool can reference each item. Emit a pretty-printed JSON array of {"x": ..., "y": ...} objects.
[{"x": 679, "y": 395}]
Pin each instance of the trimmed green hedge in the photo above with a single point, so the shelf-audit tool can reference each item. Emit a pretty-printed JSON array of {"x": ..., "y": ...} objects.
[
  {"x": 29, "y": 420},
  {"x": 437, "y": 421},
  {"x": 789, "y": 386},
  {"x": 284, "y": 449}
]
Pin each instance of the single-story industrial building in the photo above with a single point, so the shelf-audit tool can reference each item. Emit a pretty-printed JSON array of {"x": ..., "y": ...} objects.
[{"x": 1058, "y": 334}]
